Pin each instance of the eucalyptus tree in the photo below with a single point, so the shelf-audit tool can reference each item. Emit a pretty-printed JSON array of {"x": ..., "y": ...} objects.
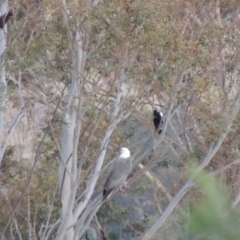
[{"x": 92, "y": 72}]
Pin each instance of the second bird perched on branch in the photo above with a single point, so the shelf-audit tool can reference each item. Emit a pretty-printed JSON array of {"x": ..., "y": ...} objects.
[
  {"x": 158, "y": 120},
  {"x": 5, "y": 17}
]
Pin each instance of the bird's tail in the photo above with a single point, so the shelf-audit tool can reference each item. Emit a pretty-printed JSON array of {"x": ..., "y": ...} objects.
[{"x": 106, "y": 193}]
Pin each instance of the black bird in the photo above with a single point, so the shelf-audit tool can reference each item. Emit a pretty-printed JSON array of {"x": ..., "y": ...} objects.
[
  {"x": 4, "y": 18},
  {"x": 158, "y": 120}
]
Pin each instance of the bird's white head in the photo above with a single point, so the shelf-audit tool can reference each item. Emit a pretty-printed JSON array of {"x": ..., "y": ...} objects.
[{"x": 124, "y": 152}]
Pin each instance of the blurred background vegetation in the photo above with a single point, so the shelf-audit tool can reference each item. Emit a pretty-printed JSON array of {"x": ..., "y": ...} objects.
[{"x": 180, "y": 54}]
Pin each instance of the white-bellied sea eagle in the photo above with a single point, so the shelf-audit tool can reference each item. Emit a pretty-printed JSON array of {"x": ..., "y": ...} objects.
[{"x": 119, "y": 172}]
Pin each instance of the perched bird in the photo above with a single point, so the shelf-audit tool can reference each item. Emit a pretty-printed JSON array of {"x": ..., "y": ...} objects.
[
  {"x": 4, "y": 18},
  {"x": 119, "y": 172},
  {"x": 158, "y": 120}
]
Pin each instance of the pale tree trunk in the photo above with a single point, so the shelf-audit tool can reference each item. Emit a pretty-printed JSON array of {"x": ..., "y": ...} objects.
[
  {"x": 69, "y": 139},
  {"x": 70, "y": 132},
  {"x": 3, "y": 83},
  {"x": 68, "y": 169}
]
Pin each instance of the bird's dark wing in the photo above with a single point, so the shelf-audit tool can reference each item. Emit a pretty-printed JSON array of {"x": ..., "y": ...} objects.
[
  {"x": 158, "y": 121},
  {"x": 156, "y": 118}
]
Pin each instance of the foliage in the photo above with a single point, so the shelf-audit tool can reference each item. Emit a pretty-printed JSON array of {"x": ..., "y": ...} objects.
[
  {"x": 212, "y": 216},
  {"x": 180, "y": 54}
]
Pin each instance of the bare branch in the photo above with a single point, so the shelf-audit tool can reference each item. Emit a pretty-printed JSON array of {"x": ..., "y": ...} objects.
[
  {"x": 168, "y": 210},
  {"x": 212, "y": 151},
  {"x": 10, "y": 132},
  {"x": 156, "y": 181}
]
